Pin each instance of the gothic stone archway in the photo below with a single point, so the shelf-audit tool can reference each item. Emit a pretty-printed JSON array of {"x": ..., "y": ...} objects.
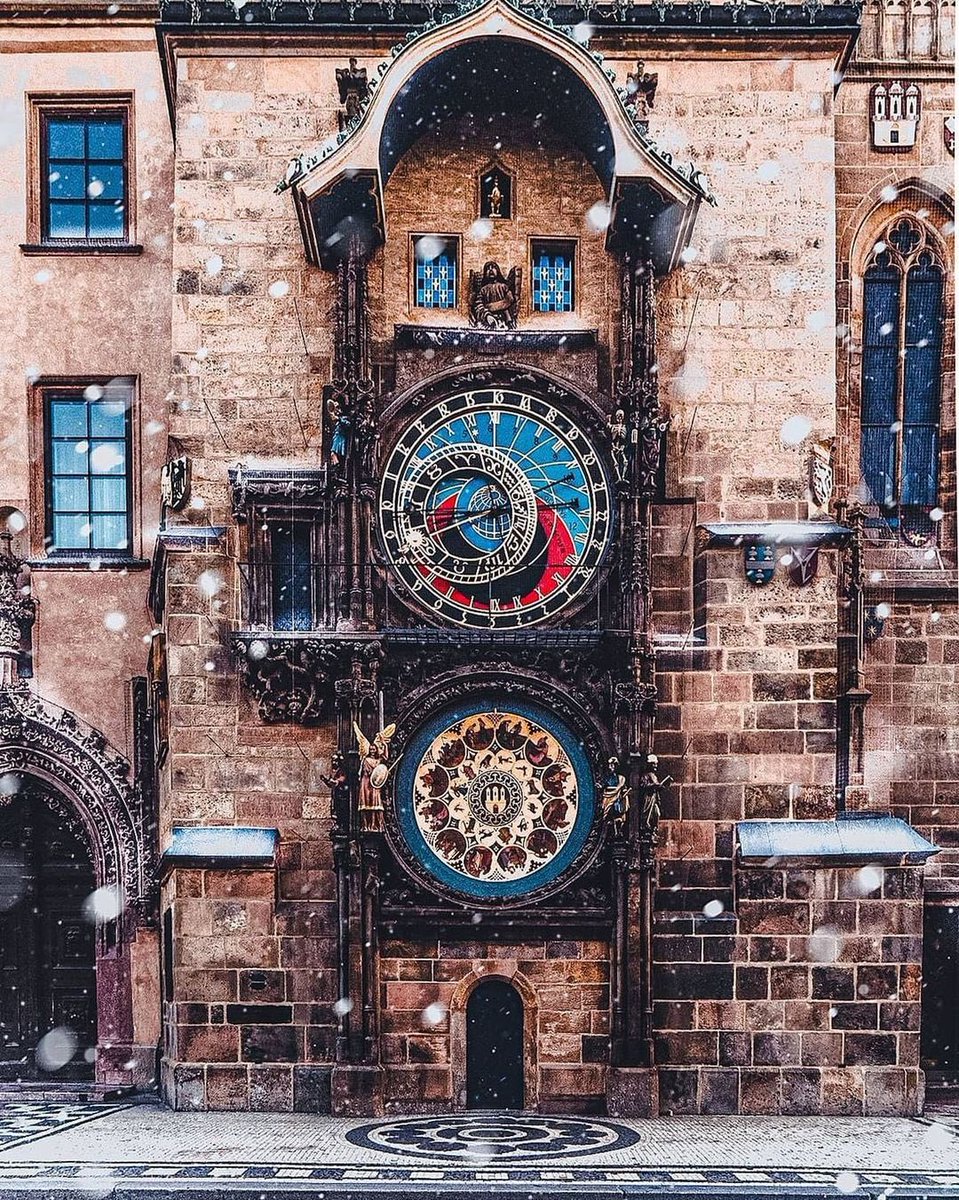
[
  {"x": 505, "y": 972},
  {"x": 56, "y": 753}
]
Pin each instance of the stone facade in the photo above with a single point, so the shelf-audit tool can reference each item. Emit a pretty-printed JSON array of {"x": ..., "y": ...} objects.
[{"x": 328, "y": 977}]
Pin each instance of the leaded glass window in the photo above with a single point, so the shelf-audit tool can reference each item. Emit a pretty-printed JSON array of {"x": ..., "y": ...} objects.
[
  {"x": 435, "y": 261},
  {"x": 88, "y": 482},
  {"x": 84, "y": 176},
  {"x": 901, "y": 378},
  {"x": 553, "y": 271},
  {"x": 291, "y": 554}
]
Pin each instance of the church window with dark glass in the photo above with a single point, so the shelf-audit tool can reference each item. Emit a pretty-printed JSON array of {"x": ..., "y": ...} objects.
[
  {"x": 435, "y": 261},
  {"x": 553, "y": 268},
  {"x": 901, "y": 378},
  {"x": 88, "y": 479},
  {"x": 291, "y": 557}
]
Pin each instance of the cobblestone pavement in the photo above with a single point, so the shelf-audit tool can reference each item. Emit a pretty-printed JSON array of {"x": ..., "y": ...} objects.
[{"x": 118, "y": 1150}]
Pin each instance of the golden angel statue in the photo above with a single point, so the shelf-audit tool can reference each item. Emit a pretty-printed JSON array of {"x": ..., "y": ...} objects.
[{"x": 374, "y": 772}]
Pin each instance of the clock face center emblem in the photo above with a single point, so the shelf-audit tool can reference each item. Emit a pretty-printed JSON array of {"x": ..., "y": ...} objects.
[{"x": 495, "y": 798}]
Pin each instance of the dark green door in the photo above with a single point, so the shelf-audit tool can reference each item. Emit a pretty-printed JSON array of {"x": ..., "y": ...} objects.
[{"x": 940, "y": 988}]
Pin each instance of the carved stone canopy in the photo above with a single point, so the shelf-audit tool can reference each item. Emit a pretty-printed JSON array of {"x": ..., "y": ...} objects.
[
  {"x": 493, "y": 47},
  {"x": 275, "y": 487}
]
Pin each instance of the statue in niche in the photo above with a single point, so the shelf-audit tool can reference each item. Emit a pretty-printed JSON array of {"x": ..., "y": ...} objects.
[
  {"x": 641, "y": 90},
  {"x": 615, "y": 796},
  {"x": 354, "y": 88},
  {"x": 496, "y": 194},
  {"x": 494, "y": 299},
  {"x": 617, "y": 442}
]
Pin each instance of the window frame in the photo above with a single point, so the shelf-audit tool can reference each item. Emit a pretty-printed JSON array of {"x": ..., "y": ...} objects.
[
  {"x": 896, "y": 514},
  {"x": 570, "y": 243},
  {"x": 456, "y": 241},
  {"x": 43, "y": 555},
  {"x": 41, "y": 109}
]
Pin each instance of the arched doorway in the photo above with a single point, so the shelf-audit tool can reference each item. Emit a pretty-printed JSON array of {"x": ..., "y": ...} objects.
[
  {"x": 47, "y": 946},
  {"x": 494, "y": 1046}
]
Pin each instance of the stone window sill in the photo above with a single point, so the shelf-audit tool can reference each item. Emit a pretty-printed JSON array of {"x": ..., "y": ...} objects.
[
  {"x": 82, "y": 562},
  {"x": 92, "y": 247}
]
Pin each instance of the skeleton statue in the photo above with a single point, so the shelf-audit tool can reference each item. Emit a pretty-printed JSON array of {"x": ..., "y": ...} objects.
[
  {"x": 641, "y": 89},
  {"x": 615, "y": 796},
  {"x": 617, "y": 440},
  {"x": 354, "y": 88},
  {"x": 493, "y": 298},
  {"x": 374, "y": 772}
]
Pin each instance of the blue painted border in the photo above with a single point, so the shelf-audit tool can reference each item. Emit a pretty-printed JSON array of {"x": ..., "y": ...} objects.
[{"x": 406, "y": 778}]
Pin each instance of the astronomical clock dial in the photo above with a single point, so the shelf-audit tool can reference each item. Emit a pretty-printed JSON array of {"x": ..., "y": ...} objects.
[
  {"x": 495, "y": 511},
  {"x": 494, "y": 802}
]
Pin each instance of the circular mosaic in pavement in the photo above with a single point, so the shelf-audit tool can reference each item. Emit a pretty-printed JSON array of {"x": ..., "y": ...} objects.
[{"x": 498, "y": 1137}]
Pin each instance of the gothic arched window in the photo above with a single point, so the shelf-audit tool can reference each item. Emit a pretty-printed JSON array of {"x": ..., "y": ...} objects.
[{"x": 901, "y": 377}]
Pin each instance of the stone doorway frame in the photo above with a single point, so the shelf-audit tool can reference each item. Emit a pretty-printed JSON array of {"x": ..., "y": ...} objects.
[{"x": 508, "y": 972}]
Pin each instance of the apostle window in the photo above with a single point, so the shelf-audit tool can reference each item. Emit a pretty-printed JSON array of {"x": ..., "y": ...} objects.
[
  {"x": 81, "y": 177},
  {"x": 553, "y": 268},
  {"x": 435, "y": 271},
  {"x": 901, "y": 377},
  {"x": 88, "y": 483}
]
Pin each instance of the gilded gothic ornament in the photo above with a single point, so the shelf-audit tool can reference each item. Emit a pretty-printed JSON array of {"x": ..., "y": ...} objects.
[{"x": 374, "y": 772}]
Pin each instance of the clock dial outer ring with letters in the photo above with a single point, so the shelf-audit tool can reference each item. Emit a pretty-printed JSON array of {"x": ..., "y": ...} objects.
[
  {"x": 542, "y": 503},
  {"x": 448, "y": 815}
]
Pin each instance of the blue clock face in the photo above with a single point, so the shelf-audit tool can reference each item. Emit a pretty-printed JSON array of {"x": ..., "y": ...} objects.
[
  {"x": 495, "y": 801},
  {"x": 495, "y": 510}
]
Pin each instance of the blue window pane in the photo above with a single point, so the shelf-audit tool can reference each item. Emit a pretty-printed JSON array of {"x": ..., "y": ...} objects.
[
  {"x": 921, "y": 384},
  {"x": 553, "y": 280},
  {"x": 105, "y": 139},
  {"x": 920, "y": 459},
  {"x": 105, "y": 181},
  {"x": 107, "y": 494},
  {"x": 108, "y": 418},
  {"x": 68, "y": 181},
  {"x": 65, "y": 139},
  {"x": 70, "y": 494},
  {"x": 435, "y": 276},
  {"x": 290, "y": 547},
  {"x": 108, "y": 458},
  {"x": 106, "y": 221},
  {"x": 109, "y": 532},
  {"x": 68, "y": 220},
  {"x": 70, "y": 458},
  {"x": 879, "y": 463},
  {"x": 68, "y": 418},
  {"x": 71, "y": 531}
]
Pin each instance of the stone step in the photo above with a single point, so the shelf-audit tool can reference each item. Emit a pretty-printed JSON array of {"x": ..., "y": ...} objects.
[{"x": 65, "y": 1091}]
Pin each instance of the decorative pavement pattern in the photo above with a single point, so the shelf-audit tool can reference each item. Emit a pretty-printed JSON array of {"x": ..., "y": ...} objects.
[{"x": 148, "y": 1146}]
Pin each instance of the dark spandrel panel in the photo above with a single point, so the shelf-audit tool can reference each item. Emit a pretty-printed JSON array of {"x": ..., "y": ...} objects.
[
  {"x": 920, "y": 465},
  {"x": 105, "y": 139},
  {"x": 65, "y": 139},
  {"x": 68, "y": 181},
  {"x": 68, "y": 220}
]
